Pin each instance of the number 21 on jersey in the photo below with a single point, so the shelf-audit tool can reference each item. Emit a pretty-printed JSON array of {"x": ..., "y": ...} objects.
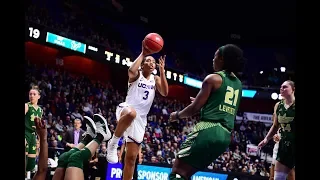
[{"x": 231, "y": 96}]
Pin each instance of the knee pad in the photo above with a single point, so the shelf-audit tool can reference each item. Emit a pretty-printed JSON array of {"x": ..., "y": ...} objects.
[
  {"x": 31, "y": 163},
  {"x": 174, "y": 176},
  {"x": 280, "y": 175}
]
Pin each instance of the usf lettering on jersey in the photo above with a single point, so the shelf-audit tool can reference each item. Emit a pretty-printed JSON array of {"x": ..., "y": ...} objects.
[
  {"x": 30, "y": 116},
  {"x": 222, "y": 104},
  {"x": 285, "y": 118}
]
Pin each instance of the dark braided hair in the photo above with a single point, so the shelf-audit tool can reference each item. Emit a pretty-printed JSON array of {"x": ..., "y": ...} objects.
[{"x": 232, "y": 57}]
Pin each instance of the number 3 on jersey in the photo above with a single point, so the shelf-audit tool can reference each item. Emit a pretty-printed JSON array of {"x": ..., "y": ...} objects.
[
  {"x": 146, "y": 94},
  {"x": 231, "y": 96}
]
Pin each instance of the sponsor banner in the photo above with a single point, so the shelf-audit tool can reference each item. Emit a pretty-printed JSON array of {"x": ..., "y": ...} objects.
[
  {"x": 252, "y": 150},
  {"x": 153, "y": 172},
  {"x": 66, "y": 42},
  {"x": 145, "y": 172},
  {"x": 209, "y": 176},
  {"x": 267, "y": 118},
  {"x": 114, "y": 171}
]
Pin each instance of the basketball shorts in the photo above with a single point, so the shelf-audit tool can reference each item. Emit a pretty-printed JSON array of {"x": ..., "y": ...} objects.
[
  {"x": 30, "y": 142},
  {"x": 204, "y": 144},
  {"x": 286, "y": 153},
  {"x": 275, "y": 152},
  {"x": 136, "y": 130}
]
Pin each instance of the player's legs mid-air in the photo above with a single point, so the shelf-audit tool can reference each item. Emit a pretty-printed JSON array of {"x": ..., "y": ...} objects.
[
  {"x": 127, "y": 115},
  {"x": 129, "y": 123},
  {"x": 70, "y": 164},
  {"x": 86, "y": 138}
]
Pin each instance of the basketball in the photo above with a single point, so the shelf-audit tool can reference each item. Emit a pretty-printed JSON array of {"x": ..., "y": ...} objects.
[{"x": 153, "y": 42}]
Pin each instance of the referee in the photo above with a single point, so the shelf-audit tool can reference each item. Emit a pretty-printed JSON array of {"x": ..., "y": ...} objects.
[{"x": 123, "y": 155}]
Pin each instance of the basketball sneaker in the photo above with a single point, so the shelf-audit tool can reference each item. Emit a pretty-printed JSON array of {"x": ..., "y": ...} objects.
[
  {"x": 91, "y": 127},
  {"x": 112, "y": 156},
  {"x": 102, "y": 126}
]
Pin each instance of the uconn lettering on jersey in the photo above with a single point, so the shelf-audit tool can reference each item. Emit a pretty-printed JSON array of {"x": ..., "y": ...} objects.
[{"x": 145, "y": 86}]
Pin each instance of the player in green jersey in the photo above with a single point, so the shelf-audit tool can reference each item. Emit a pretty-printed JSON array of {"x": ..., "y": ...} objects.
[
  {"x": 218, "y": 99},
  {"x": 284, "y": 113},
  {"x": 32, "y": 111}
]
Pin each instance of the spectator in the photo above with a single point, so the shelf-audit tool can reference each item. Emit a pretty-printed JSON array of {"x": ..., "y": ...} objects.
[{"x": 73, "y": 136}]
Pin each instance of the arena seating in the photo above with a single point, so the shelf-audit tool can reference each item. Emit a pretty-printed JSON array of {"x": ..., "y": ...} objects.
[{"x": 68, "y": 20}]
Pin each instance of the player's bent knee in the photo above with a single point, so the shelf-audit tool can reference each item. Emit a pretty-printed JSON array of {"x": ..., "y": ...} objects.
[
  {"x": 31, "y": 163},
  {"x": 129, "y": 112}
]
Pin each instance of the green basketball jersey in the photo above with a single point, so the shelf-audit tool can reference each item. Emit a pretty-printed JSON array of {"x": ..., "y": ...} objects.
[
  {"x": 285, "y": 118},
  {"x": 29, "y": 118},
  {"x": 222, "y": 104}
]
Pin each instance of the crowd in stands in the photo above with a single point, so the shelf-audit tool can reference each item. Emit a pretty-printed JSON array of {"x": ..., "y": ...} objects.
[
  {"x": 76, "y": 23},
  {"x": 66, "y": 97}
]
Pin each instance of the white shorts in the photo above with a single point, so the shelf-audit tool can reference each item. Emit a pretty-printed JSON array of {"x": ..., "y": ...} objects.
[
  {"x": 275, "y": 152},
  {"x": 135, "y": 132}
]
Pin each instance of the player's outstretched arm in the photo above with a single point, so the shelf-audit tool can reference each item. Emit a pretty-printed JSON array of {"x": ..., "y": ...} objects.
[
  {"x": 133, "y": 71},
  {"x": 43, "y": 155},
  {"x": 211, "y": 82},
  {"x": 161, "y": 82},
  {"x": 274, "y": 128}
]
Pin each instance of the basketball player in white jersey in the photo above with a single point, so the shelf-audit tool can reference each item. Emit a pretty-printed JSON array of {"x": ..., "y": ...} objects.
[
  {"x": 276, "y": 139},
  {"x": 132, "y": 114}
]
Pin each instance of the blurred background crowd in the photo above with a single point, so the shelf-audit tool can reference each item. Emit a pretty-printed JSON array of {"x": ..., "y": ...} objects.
[{"x": 66, "y": 97}]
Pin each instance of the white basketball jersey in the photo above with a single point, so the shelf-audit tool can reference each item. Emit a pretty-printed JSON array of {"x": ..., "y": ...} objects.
[{"x": 141, "y": 94}]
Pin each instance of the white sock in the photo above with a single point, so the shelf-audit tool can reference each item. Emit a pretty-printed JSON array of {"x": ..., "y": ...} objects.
[
  {"x": 280, "y": 175},
  {"x": 114, "y": 140}
]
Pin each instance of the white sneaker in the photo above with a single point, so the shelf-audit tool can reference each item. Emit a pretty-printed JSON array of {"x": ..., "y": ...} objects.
[
  {"x": 112, "y": 155},
  {"x": 102, "y": 126},
  {"x": 91, "y": 127}
]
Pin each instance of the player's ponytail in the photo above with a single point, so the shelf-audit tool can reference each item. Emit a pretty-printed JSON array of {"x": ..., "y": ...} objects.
[{"x": 232, "y": 58}]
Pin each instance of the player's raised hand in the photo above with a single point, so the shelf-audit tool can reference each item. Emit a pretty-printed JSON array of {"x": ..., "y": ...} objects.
[
  {"x": 161, "y": 63},
  {"x": 263, "y": 143},
  {"x": 192, "y": 99},
  {"x": 145, "y": 50},
  {"x": 41, "y": 128}
]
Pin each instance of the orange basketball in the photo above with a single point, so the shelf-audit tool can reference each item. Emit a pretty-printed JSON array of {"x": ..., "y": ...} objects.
[{"x": 153, "y": 42}]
